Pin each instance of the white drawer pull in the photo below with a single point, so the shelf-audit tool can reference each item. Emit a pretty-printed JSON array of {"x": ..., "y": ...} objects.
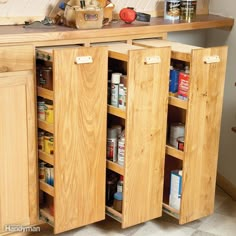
[
  {"x": 152, "y": 60},
  {"x": 83, "y": 60},
  {"x": 211, "y": 59}
]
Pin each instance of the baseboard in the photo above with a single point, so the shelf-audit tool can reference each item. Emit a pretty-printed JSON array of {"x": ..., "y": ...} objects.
[{"x": 226, "y": 185}]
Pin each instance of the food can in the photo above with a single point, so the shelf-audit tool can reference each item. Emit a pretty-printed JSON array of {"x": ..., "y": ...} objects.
[
  {"x": 48, "y": 143},
  {"x": 41, "y": 140},
  {"x": 172, "y": 9},
  {"x": 176, "y": 130},
  {"x": 46, "y": 77},
  {"x": 42, "y": 170},
  {"x": 183, "y": 86},
  {"x": 180, "y": 141},
  {"x": 188, "y": 9},
  {"x": 49, "y": 112},
  {"x": 41, "y": 110}
]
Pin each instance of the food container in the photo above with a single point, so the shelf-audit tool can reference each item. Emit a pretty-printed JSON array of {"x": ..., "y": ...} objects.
[
  {"x": 188, "y": 9},
  {"x": 90, "y": 17}
]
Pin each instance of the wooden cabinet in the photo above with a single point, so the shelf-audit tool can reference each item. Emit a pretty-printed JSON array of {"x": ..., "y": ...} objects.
[
  {"x": 18, "y": 192},
  {"x": 201, "y": 114},
  {"x": 79, "y": 132},
  {"x": 144, "y": 122}
]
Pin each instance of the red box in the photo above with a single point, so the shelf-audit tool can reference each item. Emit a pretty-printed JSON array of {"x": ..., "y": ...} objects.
[{"x": 183, "y": 86}]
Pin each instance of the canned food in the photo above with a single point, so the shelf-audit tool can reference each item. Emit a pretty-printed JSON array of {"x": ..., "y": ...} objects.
[
  {"x": 180, "y": 141},
  {"x": 172, "y": 9},
  {"x": 41, "y": 110},
  {"x": 41, "y": 140},
  {"x": 46, "y": 77},
  {"x": 42, "y": 170},
  {"x": 48, "y": 143},
  {"x": 49, "y": 112},
  {"x": 176, "y": 130},
  {"x": 188, "y": 9}
]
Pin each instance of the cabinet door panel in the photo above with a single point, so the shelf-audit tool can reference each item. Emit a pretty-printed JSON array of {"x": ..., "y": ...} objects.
[
  {"x": 80, "y": 103},
  {"x": 202, "y": 133},
  {"x": 17, "y": 127},
  {"x": 145, "y": 135}
]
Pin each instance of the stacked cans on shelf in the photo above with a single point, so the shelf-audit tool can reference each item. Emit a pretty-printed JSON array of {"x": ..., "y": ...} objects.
[
  {"x": 117, "y": 90},
  {"x": 46, "y": 173},
  {"x": 179, "y": 82}
]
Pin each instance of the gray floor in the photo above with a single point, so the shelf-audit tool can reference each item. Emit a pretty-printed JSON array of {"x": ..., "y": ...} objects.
[{"x": 221, "y": 223}]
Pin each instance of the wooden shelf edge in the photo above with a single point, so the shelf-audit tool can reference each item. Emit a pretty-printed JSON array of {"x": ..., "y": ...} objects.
[
  {"x": 170, "y": 211},
  {"x": 115, "y": 167},
  {"x": 174, "y": 152},
  {"x": 45, "y": 215},
  {"x": 45, "y": 93},
  {"x": 46, "y": 126},
  {"x": 46, "y": 188},
  {"x": 114, "y": 214},
  {"x": 46, "y": 157},
  {"x": 118, "y": 56},
  {"x": 116, "y": 111},
  {"x": 178, "y": 102}
]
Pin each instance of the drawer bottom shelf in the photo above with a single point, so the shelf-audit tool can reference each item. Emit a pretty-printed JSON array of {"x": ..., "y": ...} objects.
[
  {"x": 44, "y": 215},
  {"x": 170, "y": 210},
  {"x": 114, "y": 214}
]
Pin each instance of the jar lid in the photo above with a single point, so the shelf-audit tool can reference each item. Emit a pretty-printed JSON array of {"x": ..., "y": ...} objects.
[
  {"x": 118, "y": 196},
  {"x": 112, "y": 133},
  {"x": 115, "y": 78}
]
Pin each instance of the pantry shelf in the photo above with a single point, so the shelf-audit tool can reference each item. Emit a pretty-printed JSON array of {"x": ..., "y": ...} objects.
[
  {"x": 113, "y": 214},
  {"x": 115, "y": 167},
  {"x": 116, "y": 111},
  {"x": 178, "y": 102},
  {"x": 46, "y": 157},
  {"x": 174, "y": 152},
  {"x": 45, "y": 93},
  {"x": 46, "y": 188},
  {"x": 46, "y": 126},
  {"x": 170, "y": 210}
]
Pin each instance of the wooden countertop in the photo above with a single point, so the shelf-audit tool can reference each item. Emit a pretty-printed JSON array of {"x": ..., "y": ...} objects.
[{"x": 114, "y": 31}]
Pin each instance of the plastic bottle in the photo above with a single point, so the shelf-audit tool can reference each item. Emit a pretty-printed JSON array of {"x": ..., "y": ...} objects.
[{"x": 120, "y": 184}]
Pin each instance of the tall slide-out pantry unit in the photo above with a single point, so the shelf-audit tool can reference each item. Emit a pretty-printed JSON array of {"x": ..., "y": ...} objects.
[
  {"x": 201, "y": 114},
  {"x": 79, "y": 132},
  {"x": 144, "y": 121}
]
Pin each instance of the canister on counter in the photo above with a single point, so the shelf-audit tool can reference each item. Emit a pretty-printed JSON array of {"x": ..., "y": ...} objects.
[
  {"x": 188, "y": 9},
  {"x": 172, "y": 9}
]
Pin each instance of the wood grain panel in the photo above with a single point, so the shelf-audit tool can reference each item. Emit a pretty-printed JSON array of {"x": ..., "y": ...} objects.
[
  {"x": 145, "y": 135},
  {"x": 16, "y": 58},
  {"x": 17, "y": 149},
  {"x": 80, "y": 137},
  {"x": 202, "y": 134}
]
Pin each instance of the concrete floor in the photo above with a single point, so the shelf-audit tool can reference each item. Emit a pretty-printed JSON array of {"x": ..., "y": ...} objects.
[{"x": 221, "y": 223}]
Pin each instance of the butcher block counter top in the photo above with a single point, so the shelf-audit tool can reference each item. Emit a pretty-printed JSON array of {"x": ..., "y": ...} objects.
[{"x": 115, "y": 31}]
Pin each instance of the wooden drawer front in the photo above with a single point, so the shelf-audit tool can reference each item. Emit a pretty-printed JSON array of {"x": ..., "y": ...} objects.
[{"x": 16, "y": 58}]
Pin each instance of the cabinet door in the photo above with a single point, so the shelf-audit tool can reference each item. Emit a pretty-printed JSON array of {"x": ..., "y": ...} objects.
[
  {"x": 80, "y": 105},
  {"x": 202, "y": 133},
  {"x": 146, "y": 117},
  {"x": 17, "y": 149}
]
